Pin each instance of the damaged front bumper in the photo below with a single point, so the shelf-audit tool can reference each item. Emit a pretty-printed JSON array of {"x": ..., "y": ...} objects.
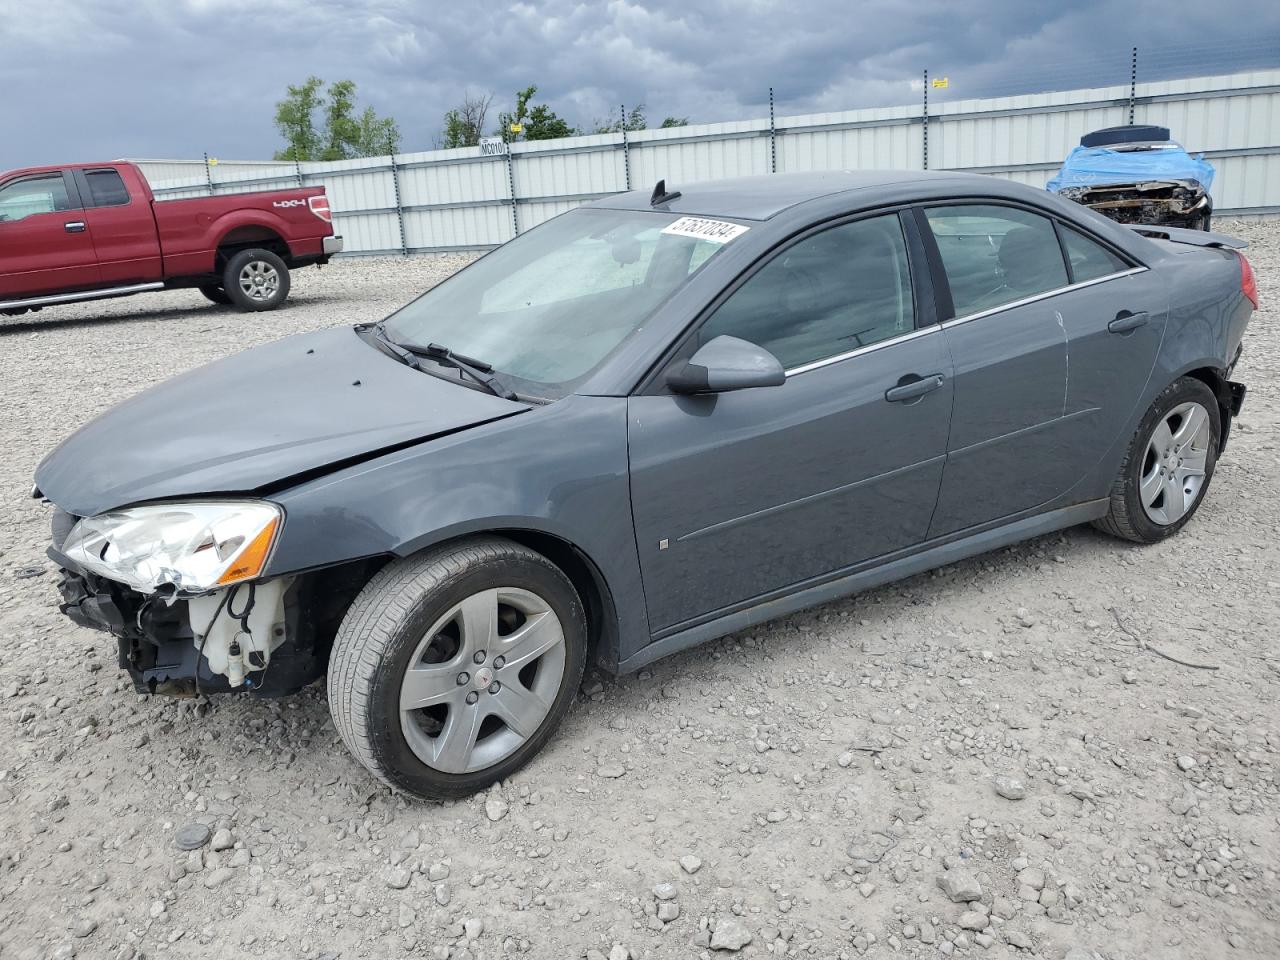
[
  {"x": 1175, "y": 203},
  {"x": 241, "y": 639}
]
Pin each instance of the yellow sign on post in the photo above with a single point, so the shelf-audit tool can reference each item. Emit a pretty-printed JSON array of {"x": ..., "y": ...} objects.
[
  {"x": 213, "y": 161},
  {"x": 941, "y": 83},
  {"x": 517, "y": 128}
]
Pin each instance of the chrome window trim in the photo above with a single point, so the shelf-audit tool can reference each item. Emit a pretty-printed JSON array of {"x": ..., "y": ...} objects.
[
  {"x": 869, "y": 348},
  {"x": 1041, "y": 296}
]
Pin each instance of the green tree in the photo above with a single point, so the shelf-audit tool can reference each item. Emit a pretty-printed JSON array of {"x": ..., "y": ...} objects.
[
  {"x": 633, "y": 120},
  {"x": 538, "y": 122},
  {"x": 464, "y": 124},
  {"x": 344, "y": 134},
  {"x": 669, "y": 122},
  {"x": 295, "y": 119}
]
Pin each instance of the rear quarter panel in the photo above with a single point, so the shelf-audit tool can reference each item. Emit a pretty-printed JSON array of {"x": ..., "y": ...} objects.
[{"x": 191, "y": 230}]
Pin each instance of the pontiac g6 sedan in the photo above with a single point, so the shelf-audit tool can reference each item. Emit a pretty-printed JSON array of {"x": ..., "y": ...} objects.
[{"x": 651, "y": 421}]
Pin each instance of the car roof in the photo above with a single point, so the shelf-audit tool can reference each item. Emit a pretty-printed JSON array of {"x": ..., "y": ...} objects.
[{"x": 762, "y": 197}]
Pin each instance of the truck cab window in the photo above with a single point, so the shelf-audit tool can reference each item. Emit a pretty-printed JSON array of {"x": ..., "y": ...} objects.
[
  {"x": 26, "y": 198},
  {"x": 106, "y": 188}
]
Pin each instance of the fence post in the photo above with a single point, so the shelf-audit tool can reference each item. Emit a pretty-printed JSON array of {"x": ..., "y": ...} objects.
[
  {"x": 626, "y": 147},
  {"x": 1133, "y": 82},
  {"x": 926, "y": 120},
  {"x": 297, "y": 168},
  {"x": 773, "y": 137},
  {"x": 395, "y": 182},
  {"x": 208, "y": 172},
  {"x": 511, "y": 188}
]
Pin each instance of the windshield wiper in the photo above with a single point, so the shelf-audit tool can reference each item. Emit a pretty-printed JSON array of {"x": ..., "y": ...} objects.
[
  {"x": 406, "y": 357},
  {"x": 408, "y": 353},
  {"x": 478, "y": 370}
]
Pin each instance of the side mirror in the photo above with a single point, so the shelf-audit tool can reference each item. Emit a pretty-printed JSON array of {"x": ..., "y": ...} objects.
[{"x": 724, "y": 364}]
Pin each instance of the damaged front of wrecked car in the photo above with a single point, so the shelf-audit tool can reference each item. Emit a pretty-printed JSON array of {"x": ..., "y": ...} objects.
[
  {"x": 1171, "y": 203},
  {"x": 1136, "y": 174}
]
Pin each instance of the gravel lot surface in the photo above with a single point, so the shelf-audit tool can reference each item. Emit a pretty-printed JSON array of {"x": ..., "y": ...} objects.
[{"x": 997, "y": 759}]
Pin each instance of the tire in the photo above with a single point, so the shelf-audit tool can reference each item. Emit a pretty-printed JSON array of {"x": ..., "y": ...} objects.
[
  {"x": 407, "y": 616},
  {"x": 256, "y": 280},
  {"x": 216, "y": 294},
  {"x": 1164, "y": 513}
]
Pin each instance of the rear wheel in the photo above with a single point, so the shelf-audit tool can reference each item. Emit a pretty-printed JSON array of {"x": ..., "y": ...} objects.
[
  {"x": 1168, "y": 467},
  {"x": 256, "y": 280},
  {"x": 453, "y": 668},
  {"x": 216, "y": 294}
]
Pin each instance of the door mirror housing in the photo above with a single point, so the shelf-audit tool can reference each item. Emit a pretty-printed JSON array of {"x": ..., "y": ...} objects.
[{"x": 726, "y": 363}]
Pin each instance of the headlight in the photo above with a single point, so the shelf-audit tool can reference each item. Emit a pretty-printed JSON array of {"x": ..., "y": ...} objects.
[{"x": 195, "y": 547}]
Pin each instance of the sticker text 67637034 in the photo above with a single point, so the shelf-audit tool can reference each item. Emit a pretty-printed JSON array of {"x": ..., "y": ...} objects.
[{"x": 700, "y": 228}]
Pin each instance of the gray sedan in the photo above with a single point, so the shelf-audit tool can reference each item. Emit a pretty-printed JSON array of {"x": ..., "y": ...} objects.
[{"x": 654, "y": 420}]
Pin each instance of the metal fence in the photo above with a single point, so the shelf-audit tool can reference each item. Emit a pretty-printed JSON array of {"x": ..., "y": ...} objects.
[{"x": 445, "y": 200}]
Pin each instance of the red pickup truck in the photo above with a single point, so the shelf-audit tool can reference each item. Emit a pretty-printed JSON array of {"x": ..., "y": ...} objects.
[{"x": 95, "y": 230}]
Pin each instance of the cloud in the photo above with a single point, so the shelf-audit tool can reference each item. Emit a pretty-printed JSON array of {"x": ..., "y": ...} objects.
[{"x": 174, "y": 78}]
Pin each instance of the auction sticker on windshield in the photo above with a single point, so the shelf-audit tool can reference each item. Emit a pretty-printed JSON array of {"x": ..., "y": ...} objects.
[{"x": 700, "y": 228}]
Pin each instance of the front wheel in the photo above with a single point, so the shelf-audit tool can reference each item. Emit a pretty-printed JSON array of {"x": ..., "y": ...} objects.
[
  {"x": 256, "y": 280},
  {"x": 1167, "y": 469},
  {"x": 453, "y": 668}
]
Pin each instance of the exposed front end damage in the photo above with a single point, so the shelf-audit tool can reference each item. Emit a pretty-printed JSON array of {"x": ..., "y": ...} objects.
[
  {"x": 267, "y": 638},
  {"x": 1176, "y": 203}
]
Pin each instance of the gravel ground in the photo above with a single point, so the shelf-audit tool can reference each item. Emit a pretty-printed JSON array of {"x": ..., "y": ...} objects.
[{"x": 997, "y": 759}]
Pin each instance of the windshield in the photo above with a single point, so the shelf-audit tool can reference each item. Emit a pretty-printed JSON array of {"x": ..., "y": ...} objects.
[{"x": 545, "y": 309}]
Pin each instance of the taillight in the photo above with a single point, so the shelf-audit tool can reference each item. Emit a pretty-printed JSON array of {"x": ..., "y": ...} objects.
[
  {"x": 320, "y": 207},
  {"x": 1248, "y": 282}
]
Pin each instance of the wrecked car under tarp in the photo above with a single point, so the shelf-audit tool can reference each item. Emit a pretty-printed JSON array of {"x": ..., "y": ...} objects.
[{"x": 1136, "y": 174}]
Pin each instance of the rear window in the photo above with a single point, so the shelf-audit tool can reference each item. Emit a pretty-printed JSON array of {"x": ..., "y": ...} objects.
[
  {"x": 1089, "y": 259},
  {"x": 106, "y": 188}
]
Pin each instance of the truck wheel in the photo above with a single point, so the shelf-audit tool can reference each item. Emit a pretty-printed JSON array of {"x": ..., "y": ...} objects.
[
  {"x": 216, "y": 294},
  {"x": 451, "y": 669},
  {"x": 256, "y": 280}
]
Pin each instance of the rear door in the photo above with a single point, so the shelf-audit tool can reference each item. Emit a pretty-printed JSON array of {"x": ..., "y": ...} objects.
[
  {"x": 1008, "y": 341},
  {"x": 122, "y": 226},
  {"x": 45, "y": 246},
  {"x": 1115, "y": 317},
  {"x": 741, "y": 496}
]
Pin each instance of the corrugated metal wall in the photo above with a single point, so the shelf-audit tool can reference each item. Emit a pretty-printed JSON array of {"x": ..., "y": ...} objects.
[{"x": 457, "y": 199}]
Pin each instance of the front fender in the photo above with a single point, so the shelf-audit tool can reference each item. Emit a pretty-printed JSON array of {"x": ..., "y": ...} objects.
[{"x": 560, "y": 471}]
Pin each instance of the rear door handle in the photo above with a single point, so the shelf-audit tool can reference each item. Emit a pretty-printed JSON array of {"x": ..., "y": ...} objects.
[
  {"x": 914, "y": 389},
  {"x": 74, "y": 226},
  {"x": 1126, "y": 321}
]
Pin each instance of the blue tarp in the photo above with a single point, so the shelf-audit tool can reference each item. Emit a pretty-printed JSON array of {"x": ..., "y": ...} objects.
[{"x": 1089, "y": 166}]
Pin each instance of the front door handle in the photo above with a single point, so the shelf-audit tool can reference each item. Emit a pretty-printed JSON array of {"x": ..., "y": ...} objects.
[
  {"x": 1126, "y": 321},
  {"x": 74, "y": 226},
  {"x": 914, "y": 389}
]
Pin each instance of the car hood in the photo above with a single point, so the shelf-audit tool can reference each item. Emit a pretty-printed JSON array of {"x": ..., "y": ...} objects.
[{"x": 285, "y": 410}]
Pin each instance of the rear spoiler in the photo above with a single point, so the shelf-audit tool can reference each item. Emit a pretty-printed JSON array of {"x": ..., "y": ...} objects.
[{"x": 1196, "y": 238}]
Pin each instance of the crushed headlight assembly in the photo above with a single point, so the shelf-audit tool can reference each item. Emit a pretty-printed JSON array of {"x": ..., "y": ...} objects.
[{"x": 193, "y": 547}]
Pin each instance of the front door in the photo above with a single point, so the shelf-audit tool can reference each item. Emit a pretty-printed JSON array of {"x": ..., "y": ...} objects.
[
  {"x": 742, "y": 495},
  {"x": 45, "y": 245}
]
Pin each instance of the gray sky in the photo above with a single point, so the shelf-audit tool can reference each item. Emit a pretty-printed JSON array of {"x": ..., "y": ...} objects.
[{"x": 99, "y": 79}]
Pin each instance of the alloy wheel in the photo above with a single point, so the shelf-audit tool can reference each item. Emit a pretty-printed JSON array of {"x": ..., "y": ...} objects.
[
  {"x": 482, "y": 680},
  {"x": 259, "y": 280},
  {"x": 1175, "y": 464}
]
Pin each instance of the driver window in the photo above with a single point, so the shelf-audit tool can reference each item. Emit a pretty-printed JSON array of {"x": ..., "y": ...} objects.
[
  {"x": 835, "y": 291},
  {"x": 26, "y": 198},
  {"x": 995, "y": 255}
]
